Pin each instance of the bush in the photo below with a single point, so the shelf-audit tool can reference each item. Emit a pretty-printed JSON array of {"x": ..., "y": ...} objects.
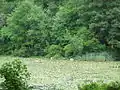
[
  {"x": 100, "y": 86},
  {"x": 22, "y": 52},
  {"x": 113, "y": 86},
  {"x": 68, "y": 50},
  {"x": 54, "y": 51},
  {"x": 15, "y": 76}
]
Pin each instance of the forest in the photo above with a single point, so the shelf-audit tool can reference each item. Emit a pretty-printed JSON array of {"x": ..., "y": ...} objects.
[{"x": 60, "y": 28}]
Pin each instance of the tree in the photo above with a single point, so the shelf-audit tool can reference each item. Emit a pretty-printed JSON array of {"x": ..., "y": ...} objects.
[
  {"x": 25, "y": 28},
  {"x": 102, "y": 17}
]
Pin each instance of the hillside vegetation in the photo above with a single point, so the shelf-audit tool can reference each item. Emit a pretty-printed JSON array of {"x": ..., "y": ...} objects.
[{"x": 59, "y": 28}]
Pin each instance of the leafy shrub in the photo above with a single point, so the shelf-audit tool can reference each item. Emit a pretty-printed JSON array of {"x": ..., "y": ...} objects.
[
  {"x": 100, "y": 86},
  {"x": 92, "y": 86},
  {"x": 15, "y": 76},
  {"x": 22, "y": 52},
  {"x": 54, "y": 51},
  {"x": 113, "y": 86},
  {"x": 68, "y": 50}
]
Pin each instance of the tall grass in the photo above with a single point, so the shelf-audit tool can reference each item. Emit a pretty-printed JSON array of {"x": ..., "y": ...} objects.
[{"x": 104, "y": 56}]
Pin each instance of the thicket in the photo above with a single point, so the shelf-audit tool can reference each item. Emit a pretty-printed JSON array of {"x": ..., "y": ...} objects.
[
  {"x": 59, "y": 28},
  {"x": 15, "y": 76}
]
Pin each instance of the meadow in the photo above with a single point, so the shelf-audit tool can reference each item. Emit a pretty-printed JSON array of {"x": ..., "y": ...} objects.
[{"x": 67, "y": 74}]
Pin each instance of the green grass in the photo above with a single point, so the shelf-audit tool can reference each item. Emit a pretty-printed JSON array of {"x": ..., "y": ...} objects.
[{"x": 68, "y": 74}]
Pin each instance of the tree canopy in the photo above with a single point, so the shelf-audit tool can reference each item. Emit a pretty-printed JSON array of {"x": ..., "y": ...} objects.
[{"x": 60, "y": 28}]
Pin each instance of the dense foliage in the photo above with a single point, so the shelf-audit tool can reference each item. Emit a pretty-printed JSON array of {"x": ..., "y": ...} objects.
[
  {"x": 15, "y": 76},
  {"x": 100, "y": 86},
  {"x": 59, "y": 28}
]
